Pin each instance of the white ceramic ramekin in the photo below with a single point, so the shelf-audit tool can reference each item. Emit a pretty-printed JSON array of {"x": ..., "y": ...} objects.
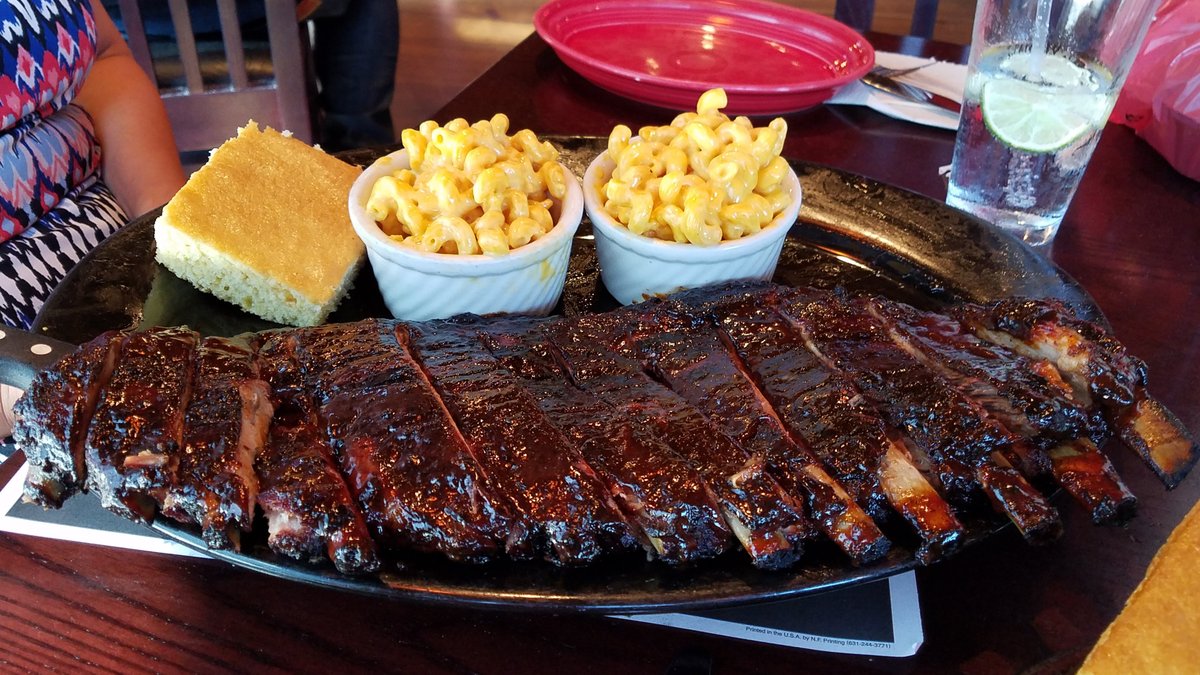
[
  {"x": 417, "y": 285},
  {"x": 634, "y": 267}
]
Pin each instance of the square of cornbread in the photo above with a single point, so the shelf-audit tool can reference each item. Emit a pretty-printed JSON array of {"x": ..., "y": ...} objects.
[
  {"x": 1156, "y": 631},
  {"x": 263, "y": 225}
]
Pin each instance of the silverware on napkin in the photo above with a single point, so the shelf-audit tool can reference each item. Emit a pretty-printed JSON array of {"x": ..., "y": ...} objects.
[{"x": 891, "y": 85}]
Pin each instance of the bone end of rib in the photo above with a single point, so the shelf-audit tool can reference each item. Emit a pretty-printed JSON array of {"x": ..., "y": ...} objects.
[
  {"x": 1090, "y": 478},
  {"x": 1161, "y": 440}
]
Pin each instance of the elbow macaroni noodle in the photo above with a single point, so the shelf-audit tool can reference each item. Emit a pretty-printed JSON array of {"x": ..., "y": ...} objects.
[
  {"x": 470, "y": 189},
  {"x": 703, "y": 179}
]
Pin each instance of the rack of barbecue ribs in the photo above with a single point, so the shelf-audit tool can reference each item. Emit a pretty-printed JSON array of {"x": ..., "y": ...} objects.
[{"x": 748, "y": 416}]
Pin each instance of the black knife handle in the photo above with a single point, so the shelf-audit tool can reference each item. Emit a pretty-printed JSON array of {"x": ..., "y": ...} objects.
[{"x": 23, "y": 355}]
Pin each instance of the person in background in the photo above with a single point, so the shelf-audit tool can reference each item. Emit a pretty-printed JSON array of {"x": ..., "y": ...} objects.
[
  {"x": 355, "y": 47},
  {"x": 356, "y": 44},
  {"x": 85, "y": 145}
]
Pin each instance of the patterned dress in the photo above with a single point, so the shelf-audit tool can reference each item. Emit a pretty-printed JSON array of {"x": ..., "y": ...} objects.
[{"x": 53, "y": 206}]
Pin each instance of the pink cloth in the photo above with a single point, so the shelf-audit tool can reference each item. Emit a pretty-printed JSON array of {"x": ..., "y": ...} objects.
[{"x": 1161, "y": 98}]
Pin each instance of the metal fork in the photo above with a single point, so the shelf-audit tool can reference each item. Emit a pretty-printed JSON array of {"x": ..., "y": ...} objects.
[
  {"x": 896, "y": 87},
  {"x": 897, "y": 72},
  {"x": 910, "y": 92}
]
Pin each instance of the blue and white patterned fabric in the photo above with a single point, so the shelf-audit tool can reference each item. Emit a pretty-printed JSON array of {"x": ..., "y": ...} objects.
[
  {"x": 53, "y": 208},
  {"x": 34, "y": 262}
]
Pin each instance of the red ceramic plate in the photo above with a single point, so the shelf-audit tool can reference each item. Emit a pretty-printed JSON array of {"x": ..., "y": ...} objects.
[{"x": 769, "y": 58}]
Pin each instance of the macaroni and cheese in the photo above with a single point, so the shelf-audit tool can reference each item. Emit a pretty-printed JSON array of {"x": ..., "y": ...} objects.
[
  {"x": 703, "y": 179},
  {"x": 470, "y": 188}
]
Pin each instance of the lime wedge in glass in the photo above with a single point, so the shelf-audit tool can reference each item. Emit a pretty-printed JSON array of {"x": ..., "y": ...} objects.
[
  {"x": 1050, "y": 69},
  {"x": 1040, "y": 118}
]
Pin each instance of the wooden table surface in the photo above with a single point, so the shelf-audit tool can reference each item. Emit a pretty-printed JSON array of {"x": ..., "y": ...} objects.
[{"x": 1131, "y": 238}]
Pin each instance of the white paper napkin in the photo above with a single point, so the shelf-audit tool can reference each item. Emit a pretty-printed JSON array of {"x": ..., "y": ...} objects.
[{"x": 947, "y": 79}]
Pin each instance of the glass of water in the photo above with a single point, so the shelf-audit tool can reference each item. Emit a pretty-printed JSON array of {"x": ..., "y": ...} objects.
[{"x": 1042, "y": 79}]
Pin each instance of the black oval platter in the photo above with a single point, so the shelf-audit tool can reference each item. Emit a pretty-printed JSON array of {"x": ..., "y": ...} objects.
[{"x": 852, "y": 232}]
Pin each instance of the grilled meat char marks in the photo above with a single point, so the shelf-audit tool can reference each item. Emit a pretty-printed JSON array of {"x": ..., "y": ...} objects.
[
  {"x": 1027, "y": 396},
  {"x": 224, "y": 427},
  {"x": 686, "y": 353},
  {"x": 807, "y": 396},
  {"x": 56, "y": 412},
  {"x": 1099, "y": 369},
  {"x": 970, "y": 449},
  {"x": 133, "y": 442},
  {"x": 769, "y": 523},
  {"x": 411, "y": 471},
  {"x": 666, "y": 501},
  {"x": 560, "y": 509},
  {"x": 819, "y": 405},
  {"x": 309, "y": 509},
  {"x": 1101, "y": 373},
  {"x": 719, "y": 415}
]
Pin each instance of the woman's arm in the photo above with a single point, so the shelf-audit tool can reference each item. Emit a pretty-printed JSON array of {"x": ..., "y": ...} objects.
[{"x": 140, "y": 162}]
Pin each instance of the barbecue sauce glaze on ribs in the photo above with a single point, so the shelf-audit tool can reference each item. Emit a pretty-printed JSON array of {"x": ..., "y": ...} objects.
[{"x": 747, "y": 416}]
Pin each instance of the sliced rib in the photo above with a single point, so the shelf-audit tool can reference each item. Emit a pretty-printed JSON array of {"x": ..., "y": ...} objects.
[
  {"x": 404, "y": 459},
  {"x": 970, "y": 450},
  {"x": 768, "y": 522},
  {"x": 1014, "y": 390},
  {"x": 1100, "y": 371},
  {"x": 133, "y": 443},
  {"x": 560, "y": 508},
  {"x": 224, "y": 428},
  {"x": 687, "y": 354},
  {"x": 309, "y": 509},
  {"x": 819, "y": 405},
  {"x": 1017, "y": 390},
  {"x": 54, "y": 415},
  {"x": 665, "y": 499}
]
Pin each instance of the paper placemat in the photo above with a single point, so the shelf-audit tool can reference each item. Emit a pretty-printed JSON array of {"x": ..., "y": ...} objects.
[{"x": 878, "y": 618}]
